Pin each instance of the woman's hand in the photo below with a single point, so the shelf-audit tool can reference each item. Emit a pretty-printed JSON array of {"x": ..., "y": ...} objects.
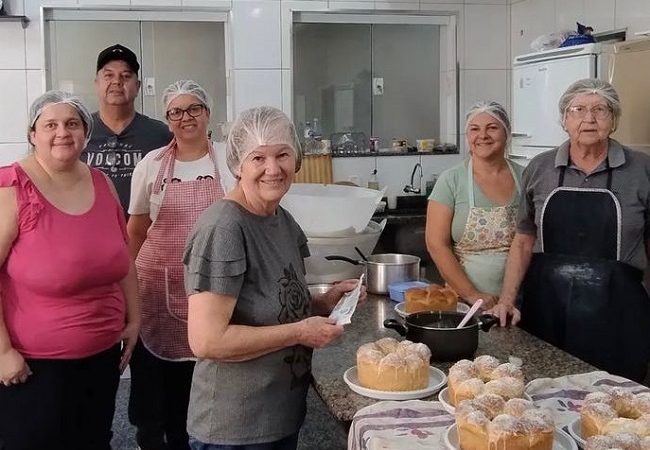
[
  {"x": 317, "y": 332},
  {"x": 504, "y": 311},
  {"x": 129, "y": 338},
  {"x": 323, "y": 304},
  {"x": 489, "y": 300},
  {"x": 13, "y": 368}
]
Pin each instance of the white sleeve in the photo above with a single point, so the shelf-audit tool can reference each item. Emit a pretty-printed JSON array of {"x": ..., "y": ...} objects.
[{"x": 141, "y": 185}]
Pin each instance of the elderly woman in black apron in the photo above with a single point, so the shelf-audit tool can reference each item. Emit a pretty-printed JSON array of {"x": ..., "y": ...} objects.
[{"x": 582, "y": 235}]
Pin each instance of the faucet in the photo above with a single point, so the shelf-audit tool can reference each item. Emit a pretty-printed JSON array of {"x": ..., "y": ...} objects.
[{"x": 409, "y": 187}]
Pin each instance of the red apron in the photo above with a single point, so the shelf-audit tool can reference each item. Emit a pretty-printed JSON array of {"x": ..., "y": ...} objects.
[{"x": 160, "y": 260}]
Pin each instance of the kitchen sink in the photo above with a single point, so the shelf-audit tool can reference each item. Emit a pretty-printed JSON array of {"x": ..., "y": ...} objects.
[{"x": 410, "y": 205}]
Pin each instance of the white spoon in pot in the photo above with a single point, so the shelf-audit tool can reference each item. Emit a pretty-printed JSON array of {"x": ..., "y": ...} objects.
[{"x": 475, "y": 307}]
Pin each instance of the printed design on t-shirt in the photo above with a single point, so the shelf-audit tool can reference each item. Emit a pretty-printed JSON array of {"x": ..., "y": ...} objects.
[
  {"x": 178, "y": 180},
  {"x": 115, "y": 158},
  {"x": 294, "y": 306}
]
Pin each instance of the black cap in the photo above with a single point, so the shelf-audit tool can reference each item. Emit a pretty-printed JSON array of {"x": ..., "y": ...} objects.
[{"x": 120, "y": 53}]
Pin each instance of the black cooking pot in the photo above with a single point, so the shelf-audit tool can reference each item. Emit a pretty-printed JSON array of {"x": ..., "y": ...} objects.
[{"x": 437, "y": 329}]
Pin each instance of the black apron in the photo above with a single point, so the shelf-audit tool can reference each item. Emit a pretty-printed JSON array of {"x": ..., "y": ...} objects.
[{"x": 577, "y": 295}]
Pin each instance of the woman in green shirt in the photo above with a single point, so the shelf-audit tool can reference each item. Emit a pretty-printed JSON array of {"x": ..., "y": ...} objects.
[{"x": 472, "y": 209}]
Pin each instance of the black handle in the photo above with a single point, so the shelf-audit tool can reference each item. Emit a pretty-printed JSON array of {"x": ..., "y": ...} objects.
[
  {"x": 361, "y": 254},
  {"x": 396, "y": 325},
  {"x": 342, "y": 258},
  {"x": 487, "y": 321}
]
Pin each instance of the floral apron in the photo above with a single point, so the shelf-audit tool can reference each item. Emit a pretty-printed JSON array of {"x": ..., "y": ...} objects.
[
  {"x": 483, "y": 248},
  {"x": 160, "y": 260}
]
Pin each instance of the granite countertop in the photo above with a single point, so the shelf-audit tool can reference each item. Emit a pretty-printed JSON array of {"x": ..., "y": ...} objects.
[{"x": 540, "y": 359}]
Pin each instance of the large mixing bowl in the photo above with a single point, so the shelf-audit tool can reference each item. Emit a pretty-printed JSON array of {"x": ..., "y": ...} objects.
[
  {"x": 320, "y": 270},
  {"x": 330, "y": 209}
]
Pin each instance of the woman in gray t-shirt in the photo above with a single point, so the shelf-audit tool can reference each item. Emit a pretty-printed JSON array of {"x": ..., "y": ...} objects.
[{"x": 251, "y": 321}]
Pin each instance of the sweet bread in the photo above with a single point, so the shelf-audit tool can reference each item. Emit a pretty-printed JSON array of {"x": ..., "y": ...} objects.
[
  {"x": 490, "y": 422},
  {"x": 430, "y": 298},
  {"x": 389, "y": 365},
  {"x": 485, "y": 375},
  {"x": 618, "y": 441},
  {"x": 615, "y": 411}
]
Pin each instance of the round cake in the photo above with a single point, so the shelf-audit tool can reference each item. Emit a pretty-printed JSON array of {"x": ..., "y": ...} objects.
[
  {"x": 485, "y": 375},
  {"x": 489, "y": 422},
  {"x": 618, "y": 441},
  {"x": 615, "y": 411},
  {"x": 430, "y": 298},
  {"x": 389, "y": 365}
]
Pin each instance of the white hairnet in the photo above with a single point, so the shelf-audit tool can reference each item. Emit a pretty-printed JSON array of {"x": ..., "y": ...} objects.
[
  {"x": 189, "y": 87},
  {"x": 57, "y": 98},
  {"x": 591, "y": 86},
  {"x": 495, "y": 110},
  {"x": 263, "y": 125}
]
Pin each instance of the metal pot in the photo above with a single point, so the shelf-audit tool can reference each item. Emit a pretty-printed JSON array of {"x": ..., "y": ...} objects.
[
  {"x": 438, "y": 331},
  {"x": 385, "y": 268}
]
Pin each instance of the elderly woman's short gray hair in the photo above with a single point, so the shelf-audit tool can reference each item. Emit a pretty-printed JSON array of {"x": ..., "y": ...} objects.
[
  {"x": 55, "y": 98},
  {"x": 263, "y": 125},
  {"x": 591, "y": 86}
]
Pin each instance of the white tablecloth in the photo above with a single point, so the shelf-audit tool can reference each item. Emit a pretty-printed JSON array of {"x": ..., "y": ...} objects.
[{"x": 417, "y": 424}]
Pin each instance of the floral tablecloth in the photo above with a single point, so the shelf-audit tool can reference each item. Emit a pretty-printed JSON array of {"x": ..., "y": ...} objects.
[{"x": 417, "y": 424}]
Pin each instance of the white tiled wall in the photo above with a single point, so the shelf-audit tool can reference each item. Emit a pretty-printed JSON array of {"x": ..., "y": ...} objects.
[
  {"x": 531, "y": 18},
  {"x": 490, "y": 32}
]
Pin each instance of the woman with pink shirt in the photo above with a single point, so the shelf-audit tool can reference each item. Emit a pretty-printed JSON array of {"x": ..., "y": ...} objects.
[{"x": 69, "y": 312}]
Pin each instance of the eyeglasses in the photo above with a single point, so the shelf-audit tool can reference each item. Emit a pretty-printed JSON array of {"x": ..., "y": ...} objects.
[
  {"x": 598, "y": 112},
  {"x": 176, "y": 114}
]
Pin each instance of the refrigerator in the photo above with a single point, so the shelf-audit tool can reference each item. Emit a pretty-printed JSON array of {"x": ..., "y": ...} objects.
[{"x": 539, "y": 79}]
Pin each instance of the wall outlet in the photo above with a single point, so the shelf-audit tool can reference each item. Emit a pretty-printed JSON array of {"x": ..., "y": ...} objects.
[
  {"x": 378, "y": 86},
  {"x": 149, "y": 86}
]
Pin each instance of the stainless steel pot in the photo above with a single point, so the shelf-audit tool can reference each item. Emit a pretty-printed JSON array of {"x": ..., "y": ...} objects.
[{"x": 384, "y": 269}]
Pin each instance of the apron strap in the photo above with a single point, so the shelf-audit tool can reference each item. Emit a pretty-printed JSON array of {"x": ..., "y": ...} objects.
[
  {"x": 560, "y": 181},
  {"x": 168, "y": 157},
  {"x": 470, "y": 181}
]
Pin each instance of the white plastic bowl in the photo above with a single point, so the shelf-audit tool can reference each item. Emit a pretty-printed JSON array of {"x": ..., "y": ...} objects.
[
  {"x": 320, "y": 270},
  {"x": 326, "y": 210}
]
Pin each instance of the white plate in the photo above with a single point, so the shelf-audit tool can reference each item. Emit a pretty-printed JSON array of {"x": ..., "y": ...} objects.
[
  {"x": 562, "y": 440},
  {"x": 443, "y": 396},
  {"x": 576, "y": 432},
  {"x": 399, "y": 308},
  {"x": 437, "y": 379}
]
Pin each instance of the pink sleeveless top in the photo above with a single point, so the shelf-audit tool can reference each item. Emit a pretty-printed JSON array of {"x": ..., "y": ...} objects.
[{"x": 59, "y": 284}]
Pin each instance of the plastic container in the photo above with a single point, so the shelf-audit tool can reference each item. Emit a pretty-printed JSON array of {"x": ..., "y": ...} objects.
[
  {"x": 330, "y": 210},
  {"x": 373, "y": 182},
  {"x": 396, "y": 290},
  {"x": 320, "y": 270}
]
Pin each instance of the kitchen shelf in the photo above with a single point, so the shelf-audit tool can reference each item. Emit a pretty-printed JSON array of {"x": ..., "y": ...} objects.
[{"x": 23, "y": 19}]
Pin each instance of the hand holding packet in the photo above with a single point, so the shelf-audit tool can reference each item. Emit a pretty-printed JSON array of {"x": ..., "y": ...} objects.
[{"x": 344, "y": 309}]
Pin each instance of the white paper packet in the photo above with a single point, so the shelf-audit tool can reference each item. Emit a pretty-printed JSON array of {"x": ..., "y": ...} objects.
[{"x": 344, "y": 309}]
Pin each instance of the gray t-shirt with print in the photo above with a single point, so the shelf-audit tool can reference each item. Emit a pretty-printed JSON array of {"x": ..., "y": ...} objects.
[
  {"x": 117, "y": 154},
  {"x": 259, "y": 261}
]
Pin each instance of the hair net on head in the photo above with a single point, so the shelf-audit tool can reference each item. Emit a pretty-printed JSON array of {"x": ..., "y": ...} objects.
[
  {"x": 56, "y": 98},
  {"x": 189, "y": 87},
  {"x": 495, "y": 110},
  {"x": 263, "y": 125},
  {"x": 591, "y": 86}
]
